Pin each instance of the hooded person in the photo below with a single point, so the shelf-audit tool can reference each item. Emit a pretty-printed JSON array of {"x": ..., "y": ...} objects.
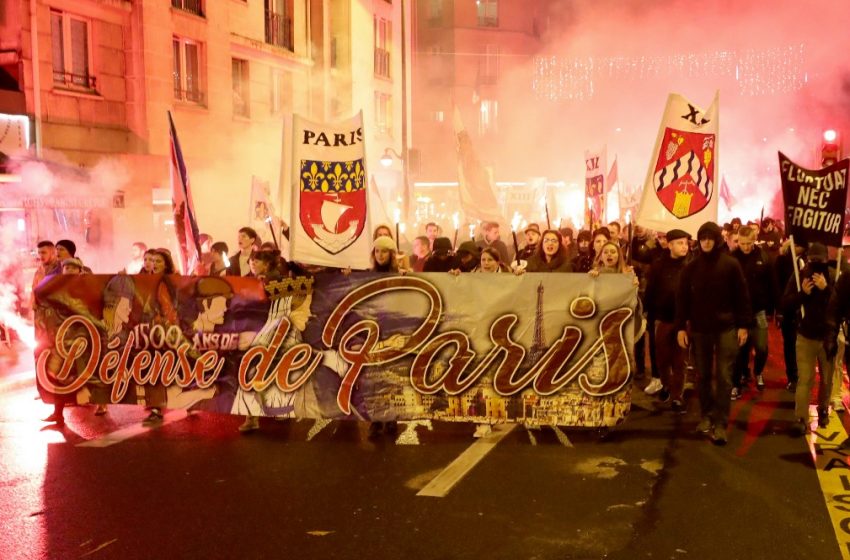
[
  {"x": 441, "y": 258},
  {"x": 468, "y": 256},
  {"x": 816, "y": 330},
  {"x": 713, "y": 312}
]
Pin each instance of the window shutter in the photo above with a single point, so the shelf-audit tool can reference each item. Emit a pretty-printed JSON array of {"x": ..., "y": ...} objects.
[
  {"x": 58, "y": 47},
  {"x": 79, "y": 52}
]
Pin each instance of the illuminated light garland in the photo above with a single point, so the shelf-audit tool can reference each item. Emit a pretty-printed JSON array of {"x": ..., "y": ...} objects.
[{"x": 757, "y": 72}]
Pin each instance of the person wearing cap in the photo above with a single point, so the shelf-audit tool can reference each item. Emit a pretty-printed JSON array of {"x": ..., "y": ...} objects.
[
  {"x": 713, "y": 312},
  {"x": 384, "y": 255},
  {"x": 660, "y": 304},
  {"x": 441, "y": 258},
  {"x": 72, "y": 266},
  {"x": 761, "y": 284},
  {"x": 532, "y": 239},
  {"x": 811, "y": 303}
]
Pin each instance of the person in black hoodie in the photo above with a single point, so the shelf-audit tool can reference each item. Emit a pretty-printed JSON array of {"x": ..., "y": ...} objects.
[
  {"x": 713, "y": 311},
  {"x": 783, "y": 268},
  {"x": 662, "y": 286},
  {"x": 583, "y": 259},
  {"x": 441, "y": 258},
  {"x": 810, "y": 303},
  {"x": 761, "y": 284}
]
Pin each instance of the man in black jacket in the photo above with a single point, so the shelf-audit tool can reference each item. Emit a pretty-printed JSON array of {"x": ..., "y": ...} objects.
[
  {"x": 714, "y": 305},
  {"x": 660, "y": 302},
  {"x": 761, "y": 284},
  {"x": 810, "y": 303}
]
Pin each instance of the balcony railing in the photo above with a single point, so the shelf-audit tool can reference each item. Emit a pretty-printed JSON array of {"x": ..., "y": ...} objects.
[
  {"x": 189, "y": 95},
  {"x": 192, "y": 6},
  {"x": 488, "y": 21},
  {"x": 279, "y": 30},
  {"x": 382, "y": 62},
  {"x": 68, "y": 79}
]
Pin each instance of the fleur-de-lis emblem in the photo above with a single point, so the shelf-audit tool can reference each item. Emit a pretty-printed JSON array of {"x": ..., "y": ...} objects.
[{"x": 312, "y": 177}]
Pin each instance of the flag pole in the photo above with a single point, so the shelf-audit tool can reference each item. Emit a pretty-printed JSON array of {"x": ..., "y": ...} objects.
[
  {"x": 270, "y": 222},
  {"x": 548, "y": 223},
  {"x": 796, "y": 269}
]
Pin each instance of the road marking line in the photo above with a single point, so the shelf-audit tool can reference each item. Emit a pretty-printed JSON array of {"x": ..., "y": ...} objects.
[
  {"x": 440, "y": 486},
  {"x": 132, "y": 431},
  {"x": 531, "y": 437},
  {"x": 562, "y": 437},
  {"x": 831, "y": 463}
]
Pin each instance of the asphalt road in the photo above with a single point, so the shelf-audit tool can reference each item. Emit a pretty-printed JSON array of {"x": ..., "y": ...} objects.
[{"x": 196, "y": 488}]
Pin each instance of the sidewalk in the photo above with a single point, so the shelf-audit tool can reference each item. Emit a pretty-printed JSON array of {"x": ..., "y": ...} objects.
[{"x": 16, "y": 375}]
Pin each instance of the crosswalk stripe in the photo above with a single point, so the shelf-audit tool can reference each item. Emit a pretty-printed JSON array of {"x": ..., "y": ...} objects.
[
  {"x": 833, "y": 470},
  {"x": 562, "y": 437},
  {"x": 132, "y": 431},
  {"x": 440, "y": 486}
]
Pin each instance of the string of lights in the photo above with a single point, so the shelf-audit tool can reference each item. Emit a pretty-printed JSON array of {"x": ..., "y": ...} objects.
[{"x": 757, "y": 71}]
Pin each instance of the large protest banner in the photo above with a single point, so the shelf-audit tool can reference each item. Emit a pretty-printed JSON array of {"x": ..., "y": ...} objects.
[
  {"x": 679, "y": 190},
  {"x": 329, "y": 222},
  {"x": 815, "y": 201},
  {"x": 594, "y": 184},
  {"x": 540, "y": 348}
]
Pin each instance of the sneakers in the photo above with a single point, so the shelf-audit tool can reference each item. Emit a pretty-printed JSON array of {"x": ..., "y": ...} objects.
[
  {"x": 678, "y": 407},
  {"x": 664, "y": 395},
  {"x": 250, "y": 424},
  {"x": 735, "y": 394},
  {"x": 823, "y": 417},
  {"x": 704, "y": 425},
  {"x": 838, "y": 405},
  {"x": 760, "y": 382},
  {"x": 719, "y": 435},
  {"x": 653, "y": 387}
]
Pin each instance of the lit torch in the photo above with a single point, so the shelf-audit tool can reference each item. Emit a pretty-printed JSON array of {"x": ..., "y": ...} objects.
[
  {"x": 514, "y": 225},
  {"x": 456, "y": 222}
]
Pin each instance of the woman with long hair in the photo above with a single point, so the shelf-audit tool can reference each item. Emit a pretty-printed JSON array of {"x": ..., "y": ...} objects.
[
  {"x": 550, "y": 255},
  {"x": 384, "y": 255}
]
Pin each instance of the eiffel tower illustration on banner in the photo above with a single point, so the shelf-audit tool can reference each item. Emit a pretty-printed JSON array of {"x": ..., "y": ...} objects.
[{"x": 538, "y": 341}]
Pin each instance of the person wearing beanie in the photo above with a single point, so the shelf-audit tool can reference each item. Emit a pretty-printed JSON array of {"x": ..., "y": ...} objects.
[
  {"x": 660, "y": 305},
  {"x": 441, "y": 258},
  {"x": 384, "y": 255},
  {"x": 66, "y": 249},
  {"x": 713, "y": 313},
  {"x": 814, "y": 330}
]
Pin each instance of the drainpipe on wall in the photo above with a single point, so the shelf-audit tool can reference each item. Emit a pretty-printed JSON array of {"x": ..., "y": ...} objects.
[{"x": 36, "y": 79}]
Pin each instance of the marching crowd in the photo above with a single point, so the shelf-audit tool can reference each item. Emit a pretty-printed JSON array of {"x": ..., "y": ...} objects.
[{"x": 707, "y": 302}]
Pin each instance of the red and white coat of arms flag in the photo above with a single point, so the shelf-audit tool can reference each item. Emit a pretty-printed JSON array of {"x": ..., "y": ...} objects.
[
  {"x": 681, "y": 185},
  {"x": 330, "y": 214}
]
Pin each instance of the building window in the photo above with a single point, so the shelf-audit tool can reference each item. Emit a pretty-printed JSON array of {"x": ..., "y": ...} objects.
[
  {"x": 281, "y": 90},
  {"x": 435, "y": 13},
  {"x": 71, "y": 51},
  {"x": 487, "y": 116},
  {"x": 438, "y": 116},
  {"x": 488, "y": 65},
  {"x": 279, "y": 23},
  {"x": 383, "y": 40},
  {"x": 187, "y": 70},
  {"x": 488, "y": 13},
  {"x": 192, "y": 6},
  {"x": 383, "y": 113},
  {"x": 241, "y": 92}
]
